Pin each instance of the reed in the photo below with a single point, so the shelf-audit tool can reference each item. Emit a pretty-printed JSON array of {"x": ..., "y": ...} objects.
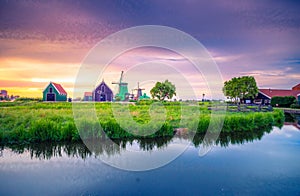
[{"x": 28, "y": 122}]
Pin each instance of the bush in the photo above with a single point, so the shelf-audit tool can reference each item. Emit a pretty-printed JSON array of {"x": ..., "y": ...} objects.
[
  {"x": 296, "y": 106},
  {"x": 29, "y": 99},
  {"x": 283, "y": 101}
]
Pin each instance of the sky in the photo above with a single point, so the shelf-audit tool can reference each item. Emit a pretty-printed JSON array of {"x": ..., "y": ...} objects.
[{"x": 48, "y": 41}]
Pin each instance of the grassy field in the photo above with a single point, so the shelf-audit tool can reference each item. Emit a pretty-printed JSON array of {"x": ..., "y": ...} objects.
[{"x": 30, "y": 122}]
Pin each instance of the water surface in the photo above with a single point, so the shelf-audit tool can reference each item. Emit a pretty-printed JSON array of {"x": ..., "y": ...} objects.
[{"x": 263, "y": 162}]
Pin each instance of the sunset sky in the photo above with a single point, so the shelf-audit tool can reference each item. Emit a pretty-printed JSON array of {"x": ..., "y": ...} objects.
[{"x": 47, "y": 41}]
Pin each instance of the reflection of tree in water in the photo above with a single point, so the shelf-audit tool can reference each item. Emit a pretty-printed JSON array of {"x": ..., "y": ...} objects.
[
  {"x": 1, "y": 151},
  {"x": 100, "y": 147},
  {"x": 292, "y": 119},
  {"x": 79, "y": 149},
  {"x": 233, "y": 138},
  {"x": 49, "y": 150}
]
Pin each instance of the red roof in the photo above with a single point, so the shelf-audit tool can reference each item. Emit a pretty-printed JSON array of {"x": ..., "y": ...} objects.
[
  {"x": 297, "y": 87},
  {"x": 88, "y": 94},
  {"x": 59, "y": 88},
  {"x": 280, "y": 93}
]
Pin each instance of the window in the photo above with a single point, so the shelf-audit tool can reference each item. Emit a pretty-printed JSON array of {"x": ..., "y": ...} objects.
[
  {"x": 50, "y": 89},
  {"x": 102, "y": 88}
]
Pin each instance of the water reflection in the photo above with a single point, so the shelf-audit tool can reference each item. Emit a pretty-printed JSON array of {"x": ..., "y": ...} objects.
[
  {"x": 292, "y": 119},
  {"x": 100, "y": 147},
  {"x": 235, "y": 138}
]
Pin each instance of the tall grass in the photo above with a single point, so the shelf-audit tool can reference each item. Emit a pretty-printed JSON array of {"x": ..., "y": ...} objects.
[{"x": 31, "y": 122}]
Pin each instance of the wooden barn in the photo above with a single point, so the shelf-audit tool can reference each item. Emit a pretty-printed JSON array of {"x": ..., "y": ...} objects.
[
  {"x": 265, "y": 95},
  {"x": 103, "y": 93},
  {"x": 54, "y": 92}
]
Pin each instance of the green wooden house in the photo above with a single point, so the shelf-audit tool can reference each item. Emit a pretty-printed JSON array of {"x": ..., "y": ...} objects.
[{"x": 54, "y": 92}]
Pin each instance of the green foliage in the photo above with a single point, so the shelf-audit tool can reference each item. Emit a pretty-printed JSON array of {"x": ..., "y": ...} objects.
[
  {"x": 240, "y": 88},
  {"x": 52, "y": 122},
  {"x": 236, "y": 122},
  {"x": 283, "y": 101},
  {"x": 296, "y": 106},
  {"x": 163, "y": 90},
  {"x": 29, "y": 99}
]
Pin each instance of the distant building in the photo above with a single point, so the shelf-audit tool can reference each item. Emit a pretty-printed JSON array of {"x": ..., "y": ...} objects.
[
  {"x": 144, "y": 97},
  {"x": 88, "y": 96},
  {"x": 102, "y": 93},
  {"x": 265, "y": 95},
  {"x": 54, "y": 92},
  {"x": 3, "y": 94}
]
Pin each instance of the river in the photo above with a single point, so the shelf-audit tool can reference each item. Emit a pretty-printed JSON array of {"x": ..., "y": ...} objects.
[{"x": 263, "y": 162}]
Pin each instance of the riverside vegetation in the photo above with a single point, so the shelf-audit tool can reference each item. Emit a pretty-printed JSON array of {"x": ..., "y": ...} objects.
[{"x": 31, "y": 122}]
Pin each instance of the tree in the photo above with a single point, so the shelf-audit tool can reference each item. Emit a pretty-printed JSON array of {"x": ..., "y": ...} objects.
[
  {"x": 240, "y": 88},
  {"x": 163, "y": 90}
]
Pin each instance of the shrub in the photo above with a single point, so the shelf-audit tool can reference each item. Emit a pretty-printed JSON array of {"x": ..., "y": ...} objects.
[
  {"x": 296, "y": 106},
  {"x": 283, "y": 101}
]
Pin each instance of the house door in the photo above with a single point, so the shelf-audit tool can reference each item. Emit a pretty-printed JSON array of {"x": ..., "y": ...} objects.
[
  {"x": 103, "y": 97},
  {"x": 50, "y": 97}
]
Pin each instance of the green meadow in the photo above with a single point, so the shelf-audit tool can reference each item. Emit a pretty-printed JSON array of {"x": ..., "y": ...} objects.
[{"x": 32, "y": 122}]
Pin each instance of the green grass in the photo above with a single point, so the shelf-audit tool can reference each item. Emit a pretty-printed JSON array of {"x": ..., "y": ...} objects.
[{"x": 31, "y": 122}]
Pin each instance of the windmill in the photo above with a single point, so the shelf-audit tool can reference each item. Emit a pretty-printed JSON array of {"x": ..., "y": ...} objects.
[
  {"x": 139, "y": 91},
  {"x": 122, "y": 94}
]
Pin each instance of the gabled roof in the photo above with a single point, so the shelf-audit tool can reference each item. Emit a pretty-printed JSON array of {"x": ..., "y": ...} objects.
[
  {"x": 102, "y": 84},
  {"x": 278, "y": 92},
  {"x": 297, "y": 87},
  {"x": 88, "y": 94},
  {"x": 58, "y": 87}
]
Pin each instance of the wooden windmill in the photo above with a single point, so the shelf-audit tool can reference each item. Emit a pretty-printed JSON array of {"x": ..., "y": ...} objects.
[
  {"x": 139, "y": 91},
  {"x": 123, "y": 89}
]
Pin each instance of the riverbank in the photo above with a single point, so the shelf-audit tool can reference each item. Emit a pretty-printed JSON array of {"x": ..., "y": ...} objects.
[
  {"x": 40, "y": 122},
  {"x": 290, "y": 110}
]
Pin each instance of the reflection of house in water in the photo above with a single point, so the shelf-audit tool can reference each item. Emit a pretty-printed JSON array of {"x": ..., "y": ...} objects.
[{"x": 295, "y": 124}]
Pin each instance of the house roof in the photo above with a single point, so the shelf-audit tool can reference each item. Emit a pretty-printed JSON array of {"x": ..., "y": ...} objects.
[
  {"x": 102, "y": 84},
  {"x": 58, "y": 87},
  {"x": 88, "y": 94},
  {"x": 297, "y": 87},
  {"x": 278, "y": 92}
]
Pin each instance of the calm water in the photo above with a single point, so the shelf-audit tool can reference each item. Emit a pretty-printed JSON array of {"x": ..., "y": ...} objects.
[{"x": 264, "y": 162}]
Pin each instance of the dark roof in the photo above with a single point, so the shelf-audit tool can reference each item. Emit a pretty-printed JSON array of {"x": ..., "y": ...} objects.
[
  {"x": 102, "y": 84},
  {"x": 278, "y": 92},
  {"x": 59, "y": 88}
]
